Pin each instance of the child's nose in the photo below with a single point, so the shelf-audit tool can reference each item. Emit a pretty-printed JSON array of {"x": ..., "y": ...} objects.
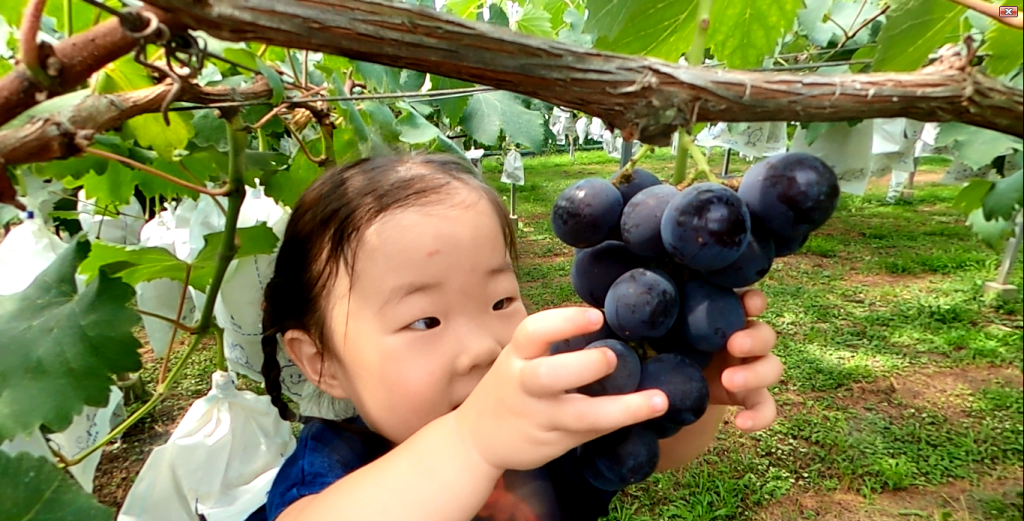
[{"x": 479, "y": 349}]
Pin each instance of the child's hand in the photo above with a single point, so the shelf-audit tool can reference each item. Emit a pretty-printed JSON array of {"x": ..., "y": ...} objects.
[
  {"x": 520, "y": 416},
  {"x": 741, "y": 374}
]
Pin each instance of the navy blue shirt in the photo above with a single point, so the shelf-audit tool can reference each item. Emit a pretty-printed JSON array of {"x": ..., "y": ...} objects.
[{"x": 327, "y": 451}]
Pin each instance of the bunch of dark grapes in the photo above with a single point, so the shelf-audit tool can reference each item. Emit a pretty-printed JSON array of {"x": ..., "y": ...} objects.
[{"x": 664, "y": 265}]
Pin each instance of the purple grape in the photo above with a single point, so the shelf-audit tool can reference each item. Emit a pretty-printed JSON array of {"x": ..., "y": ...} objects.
[
  {"x": 709, "y": 315},
  {"x": 793, "y": 194},
  {"x": 586, "y": 213},
  {"x": 641, "y": 304},
  {"x": 641, "y": 220},
  {"x": 577, "y": 343},
  {"x": 685, "y": 386},
  {"x": 623, "y": 379},
  {"x": 620, "y": 458},
  {"x": 786, "y": 246},
  {"x": 641, "y": 180},
  {"x": 752, "y": 265},
  {"x": 705, "y": 227},
  {"x": 594, "y": 270}
]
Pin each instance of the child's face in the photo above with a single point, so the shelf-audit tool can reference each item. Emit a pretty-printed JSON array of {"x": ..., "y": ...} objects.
[{"x": 433, "y": 301}]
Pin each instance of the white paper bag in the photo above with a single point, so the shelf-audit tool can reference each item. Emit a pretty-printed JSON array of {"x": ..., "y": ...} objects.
[
  {"x": 846, "y": 149},
  {"x": 123, "y": 228},
  {"x": 219, "y": 462},
  {"x": 25, "y": 253},
  {"x": 513, "y": 172}
]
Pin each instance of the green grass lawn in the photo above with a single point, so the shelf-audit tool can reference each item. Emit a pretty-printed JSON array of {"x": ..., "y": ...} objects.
[
  {"x": 902, "y": 397},
  {"x": 902, "y": 394}
]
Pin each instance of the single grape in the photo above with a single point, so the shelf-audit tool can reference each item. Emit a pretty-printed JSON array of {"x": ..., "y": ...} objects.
[
  {"x": 683, "y": 383},
  {"x": 675, "y": 342},
  {"x": 641, "y": 220},
  {"x": 579, "y": 342},
  {"x": 641, "y": 304},
  {"x": 710, "y": 314},
  {"x": 641, "y": 180},
  {"x": 594, "y": 270},
  {"x": 786, "y": 246},
  {"x": 793, "y": 194},
  {"x": 586, "y": 213},
  {"x": 705, "y": 227},
  {"x": 752, "y": 265},
  {"x": 623, "y": 379},
  {"x": 620, "y": 458}
]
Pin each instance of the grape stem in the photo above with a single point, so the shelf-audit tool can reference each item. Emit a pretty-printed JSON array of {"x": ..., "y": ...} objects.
[
  {"x": 625, "y": 174},
  {"x": 686, "y": 143},
  {"x": 694, "y": 58},
  {"x": 237, "y": 141}
]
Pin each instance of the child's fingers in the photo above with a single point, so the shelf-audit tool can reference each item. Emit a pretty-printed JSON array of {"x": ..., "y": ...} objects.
[
  {"x": 755, "y": 302},
  {"x": 549, "y": 375},
  {"x": 761, "y": 373},
  {"x": 760, "y": 412},
  {"x": 580, "y": 413},
  {"x": 534, "y": 335},
  {"x": 757, "y": 339}
]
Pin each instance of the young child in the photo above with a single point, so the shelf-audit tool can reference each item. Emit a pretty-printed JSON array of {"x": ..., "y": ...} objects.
[{"x": 394, "y": 288}]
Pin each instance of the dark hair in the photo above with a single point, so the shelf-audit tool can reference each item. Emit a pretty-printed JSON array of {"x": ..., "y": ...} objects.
[{"x": 325, "y": 227}]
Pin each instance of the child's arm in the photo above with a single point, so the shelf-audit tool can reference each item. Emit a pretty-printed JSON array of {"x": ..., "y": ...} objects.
[
  {"x": 739, "y": 376},
  {"x": 433, "y": 475}
]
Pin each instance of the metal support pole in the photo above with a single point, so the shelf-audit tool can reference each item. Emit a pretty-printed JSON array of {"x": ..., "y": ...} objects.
[
  {"x": 725, "y": 165},
  {"x": 627, "y": 153},
  {"x": 1000, "y": 287},
  {"x": 512, "y": 206}
]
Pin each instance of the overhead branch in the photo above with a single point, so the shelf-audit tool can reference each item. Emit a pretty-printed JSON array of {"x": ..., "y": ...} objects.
[
  {"x": 646, "y": 98},
  {"x": 54, "y": 137},
  {"x": 69, "y": 64}
]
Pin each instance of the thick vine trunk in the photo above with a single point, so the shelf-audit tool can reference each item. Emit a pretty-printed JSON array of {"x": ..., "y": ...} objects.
[
  {"x": 70, "y": 62},
  {"x": 643, "y": 97}
]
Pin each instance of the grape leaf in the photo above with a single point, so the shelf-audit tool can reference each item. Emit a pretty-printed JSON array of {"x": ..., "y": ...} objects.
[
  {"x": 10, "y": 10},
  {"x": 496, "y": 15},
  {"x": 1005, "y": 198},
  {"x": 210, "y": 130},
  {"x": 382, "y": 122},
  {"x": 135, "y": 264},
  {"x": 535, "y": 21},
  {"x": 414, "y": 128},
  {"x": 114, "y": 187},
  {"x": 573, "y": 31},
  {"x": 463, "y": 8},
  {"x": 913, "y": 30},
  {"x": 653, "y": 27},
  {"x": 452, "y": 107},
  {"x": 993, "y": 233},
  {"x": 969, "y": 197},
  {"x": 81, "y": 16},
  {"x": 411, "y": 81},
  {"x": 287, "y": 187},
  {"x": 35, "y": 490},
  {"x": 65, "y": 345},
  {"x": 379, "y": 78},
  {"x": 1005, "y": 46},
  {"x": 760, "y": 29},
  {"x": 274, "y": 79},
  {"x": 5, "y": 66},
  {"x": 974, "y": 146},
  {"x": 153, "y": 186},
  {"x": 490, "y": 113}
]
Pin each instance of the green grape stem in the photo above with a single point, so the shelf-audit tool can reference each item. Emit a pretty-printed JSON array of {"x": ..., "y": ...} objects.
[{"x": 694, "y": 58}]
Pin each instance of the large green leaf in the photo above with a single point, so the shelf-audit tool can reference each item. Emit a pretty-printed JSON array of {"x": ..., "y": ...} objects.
[
  {"x": 62, "y": 346},
  {"x": 534, "y": 21},
  {"x": 135, "y": 264},
  {"x": 573, "y": 31},
  {"x": 452, "y": 107},
  {"x": 914, "y": 29},
  {"x": 286, "y": 187},
  {"x": 33, "y": 489},
  {"x": 378, "y": 78},
  {"x": 1005, "y": 198},
  {"x": 759, "y": 30},
  {"x": 464, "y": 8},
  {"x": 415, "y": 129},
  {"x": 974, "y": 146},
  {"x": 490, "y": 113},
  {"x": 381, "y": 121},
  {"x": 649, "y": 27},
  {"x": 970, "y": 197},
  {"x": 993, "y": 233},
  {"x": 10, "y": 10},
  {"x": 1005, "y": 46},
  {"x": 115, "y": 186}
]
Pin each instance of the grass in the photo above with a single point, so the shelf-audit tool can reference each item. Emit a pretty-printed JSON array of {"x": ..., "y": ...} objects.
[{"x": 902, "y": 397}]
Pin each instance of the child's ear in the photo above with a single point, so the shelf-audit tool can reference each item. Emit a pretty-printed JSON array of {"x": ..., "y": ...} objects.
[{"x": 318, "y": 369}]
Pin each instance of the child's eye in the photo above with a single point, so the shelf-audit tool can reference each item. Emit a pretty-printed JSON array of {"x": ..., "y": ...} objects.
[
  {"x": 426, "y": 323},
  {"x": 503, "y": 303}
]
